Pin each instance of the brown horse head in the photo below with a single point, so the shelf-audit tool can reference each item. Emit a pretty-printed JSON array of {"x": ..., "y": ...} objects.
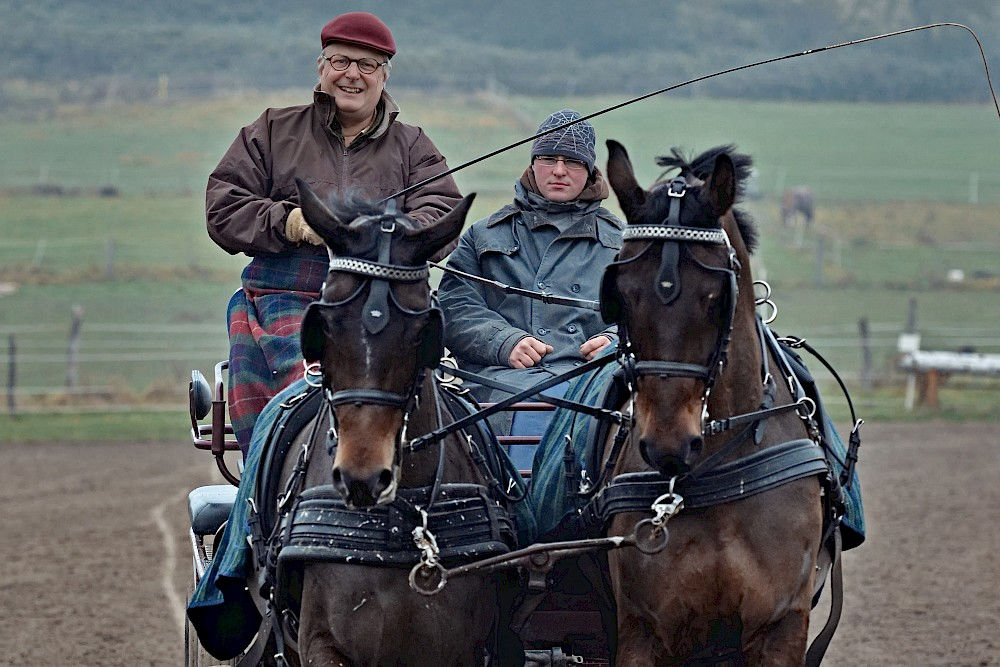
[
  {"x": 373, "y": 332},
  {"x": 673, "y": 291}
]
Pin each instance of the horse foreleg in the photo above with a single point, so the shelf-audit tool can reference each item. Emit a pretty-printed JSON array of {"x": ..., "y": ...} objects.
[
  {"x": 636, "y": 643},
  {"x": 783, "y": 644},
  {"x": 318, "y": 648}
]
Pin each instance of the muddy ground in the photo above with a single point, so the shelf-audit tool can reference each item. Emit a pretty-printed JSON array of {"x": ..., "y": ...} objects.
[{"x": 95, "y": 563}]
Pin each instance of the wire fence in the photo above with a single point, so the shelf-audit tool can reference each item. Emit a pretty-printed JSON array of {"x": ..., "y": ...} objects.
[{"x": 37, "y": 358}]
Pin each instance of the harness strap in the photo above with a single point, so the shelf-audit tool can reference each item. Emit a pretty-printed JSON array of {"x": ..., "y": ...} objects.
[
  {"x": 668, "y": 369},
  {"x": 717, "y": 426},
  {"x": 599, "y": 413},
  {"x": 854, "y": 442},
  {"x": 458, "y": 425},
  {"x": 375, "y": 314},
  {"x": 367, "y": 397},
  {"x": 754, "y": 474},
  {"x": 814, "y": 656},
  {"x": 467, "y": 523}
]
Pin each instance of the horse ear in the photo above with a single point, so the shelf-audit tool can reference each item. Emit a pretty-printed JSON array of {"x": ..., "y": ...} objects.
[
  {"x": 720, "y": 189},
  {"x": 312, "y": 334},
  {"x": 321, "y": 219},
  {"x": 621, "y": 176},
  {"x": 442, "y": 232}
]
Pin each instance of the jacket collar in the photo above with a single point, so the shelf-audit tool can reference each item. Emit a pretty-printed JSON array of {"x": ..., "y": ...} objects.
[
  {"x": 592, "y": 221},
  {"x": 385, "y": 115}
]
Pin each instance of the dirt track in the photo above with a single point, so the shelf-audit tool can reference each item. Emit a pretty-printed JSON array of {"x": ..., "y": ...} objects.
[{"x": 95, "y": 560}]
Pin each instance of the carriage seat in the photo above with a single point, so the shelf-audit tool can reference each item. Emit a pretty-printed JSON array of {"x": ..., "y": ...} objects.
[{"x": 209, "y": 507}]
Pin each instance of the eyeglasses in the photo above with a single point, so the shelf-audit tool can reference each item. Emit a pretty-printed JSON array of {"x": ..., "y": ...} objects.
[
  {"x": 552, "y": 160},
  {"x": 365, "y": 65}
]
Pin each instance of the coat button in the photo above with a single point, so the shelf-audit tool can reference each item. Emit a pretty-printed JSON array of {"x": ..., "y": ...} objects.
[
  {"x": 571, "y": 328},
  {"x": 575, "y": 287},
  {"x": 541, "y": 285},
  {"x": 542, "y": 331}
]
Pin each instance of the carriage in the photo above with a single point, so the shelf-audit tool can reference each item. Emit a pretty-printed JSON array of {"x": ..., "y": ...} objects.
[{"x": 423, "y": 535}]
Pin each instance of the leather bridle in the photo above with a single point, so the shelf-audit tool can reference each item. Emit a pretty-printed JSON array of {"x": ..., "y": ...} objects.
[
  {"x": 673, "y": 239},
  {"x": 378, "y": 277}
]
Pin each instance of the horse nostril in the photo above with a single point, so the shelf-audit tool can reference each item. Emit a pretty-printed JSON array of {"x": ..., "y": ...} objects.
[
  {"x": 384, "y": 479},
  {"x": 644, "y": 449},
  {"x": 338, "y": 479},
  {"x": 696, "y": 444}
]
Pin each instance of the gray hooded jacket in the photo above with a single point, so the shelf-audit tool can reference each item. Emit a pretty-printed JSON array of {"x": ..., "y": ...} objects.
[{"x": 535, "y": 244}]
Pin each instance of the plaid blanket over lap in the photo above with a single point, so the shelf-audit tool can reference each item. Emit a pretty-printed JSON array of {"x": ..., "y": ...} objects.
[{"x": 264, "y": 320}]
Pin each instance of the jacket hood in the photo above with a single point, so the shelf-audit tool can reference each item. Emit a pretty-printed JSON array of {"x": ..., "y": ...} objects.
[{"x": 596, "y": 189}]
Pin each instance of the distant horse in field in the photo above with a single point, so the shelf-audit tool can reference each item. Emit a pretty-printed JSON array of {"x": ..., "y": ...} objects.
[
  {"x": 797, "y": 201},
  {"x": 352, "y": 490},
  {"x": 734, "y": 583}
]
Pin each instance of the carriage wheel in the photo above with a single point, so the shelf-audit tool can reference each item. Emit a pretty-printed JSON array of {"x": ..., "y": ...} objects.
[{"x": 194, "y": 654}]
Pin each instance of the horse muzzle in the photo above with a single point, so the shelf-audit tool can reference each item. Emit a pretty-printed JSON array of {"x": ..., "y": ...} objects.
[
  {"x": 674, "y": 461},
  {"x": 378, "y": 488}
]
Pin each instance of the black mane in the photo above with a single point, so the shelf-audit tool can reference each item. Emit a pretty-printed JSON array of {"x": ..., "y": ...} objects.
[
  {"x": 354, "y": 206},
  {"x": 701, "y": 166}
]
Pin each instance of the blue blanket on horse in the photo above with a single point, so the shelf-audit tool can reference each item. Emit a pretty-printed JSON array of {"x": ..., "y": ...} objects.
[
  {"x": 221, "y": 609},
  {"x": 561, "y": 463}
]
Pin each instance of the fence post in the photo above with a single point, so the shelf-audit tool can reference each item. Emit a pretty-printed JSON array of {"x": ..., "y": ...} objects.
[
  {"x": 11, "y": 375},
  {"x": 911, "y": 378},
  {"x": 911, "y": 315},
  {"x": 36, "y": 261},
  {"x": 109, "y": 270},
  {"x": 866, "y": 354},
  {"x": 820, "y": 252},
  {"x": 74, "y": 347}
]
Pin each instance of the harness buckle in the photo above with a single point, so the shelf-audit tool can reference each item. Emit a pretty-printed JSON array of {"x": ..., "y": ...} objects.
[{"x": 677, "y": 187}]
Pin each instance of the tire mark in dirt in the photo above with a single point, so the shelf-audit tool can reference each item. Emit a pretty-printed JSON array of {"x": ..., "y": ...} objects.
[{"x": 168, "y": 567}]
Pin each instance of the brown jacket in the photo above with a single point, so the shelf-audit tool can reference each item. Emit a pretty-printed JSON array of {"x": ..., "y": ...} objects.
[{"x": 252, "y": 190}]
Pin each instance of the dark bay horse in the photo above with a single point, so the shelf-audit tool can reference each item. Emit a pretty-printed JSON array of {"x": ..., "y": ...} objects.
[
  {"x": 373, "y": 335},
  {"x": 734, "y": 583}
]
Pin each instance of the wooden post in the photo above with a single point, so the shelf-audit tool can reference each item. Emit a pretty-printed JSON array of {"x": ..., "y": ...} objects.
[
  {"x": 866, "y": 354},
  {"x": 820, "y": 251},
  {"x": 36, "y": 262},
  {"x": 911, "y": 378},
  {"x": 74, "y": 347},
  {"x": 11, "y": 375},
  {"x": 109, "y": 271},
  {"x": 931, "y": 380}
]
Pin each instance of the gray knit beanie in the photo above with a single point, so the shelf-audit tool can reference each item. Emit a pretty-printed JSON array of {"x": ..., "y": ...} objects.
[{"x": 576, "y": 141}]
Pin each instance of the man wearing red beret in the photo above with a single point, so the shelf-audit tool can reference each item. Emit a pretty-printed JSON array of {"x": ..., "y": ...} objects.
[{"x": 347, "y": 141}]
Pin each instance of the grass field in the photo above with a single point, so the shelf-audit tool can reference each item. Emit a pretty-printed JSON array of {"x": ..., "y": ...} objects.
[{"x": 895, "y": 215}]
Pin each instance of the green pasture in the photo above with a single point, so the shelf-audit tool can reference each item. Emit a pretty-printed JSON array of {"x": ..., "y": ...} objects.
[
  {"x": 894, "y": 222},
  {"x": 853, "y": 152}
]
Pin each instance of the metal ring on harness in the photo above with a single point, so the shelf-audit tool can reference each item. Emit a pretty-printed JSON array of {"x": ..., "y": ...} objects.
[
  {"x": 810, "y": 404},
  {"x": 765, "y": 299},
  {"x": 312, "y": 370}
]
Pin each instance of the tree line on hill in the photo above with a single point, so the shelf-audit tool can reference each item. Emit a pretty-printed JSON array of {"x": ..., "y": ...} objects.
[{"x": 77, "y": 50}]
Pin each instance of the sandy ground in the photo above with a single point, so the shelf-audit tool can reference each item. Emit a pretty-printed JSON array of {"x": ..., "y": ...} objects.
[{"x": 95, "y": 563}]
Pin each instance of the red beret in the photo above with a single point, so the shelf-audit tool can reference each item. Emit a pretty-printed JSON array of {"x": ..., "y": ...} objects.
[{"x": 361, "y": 29}]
